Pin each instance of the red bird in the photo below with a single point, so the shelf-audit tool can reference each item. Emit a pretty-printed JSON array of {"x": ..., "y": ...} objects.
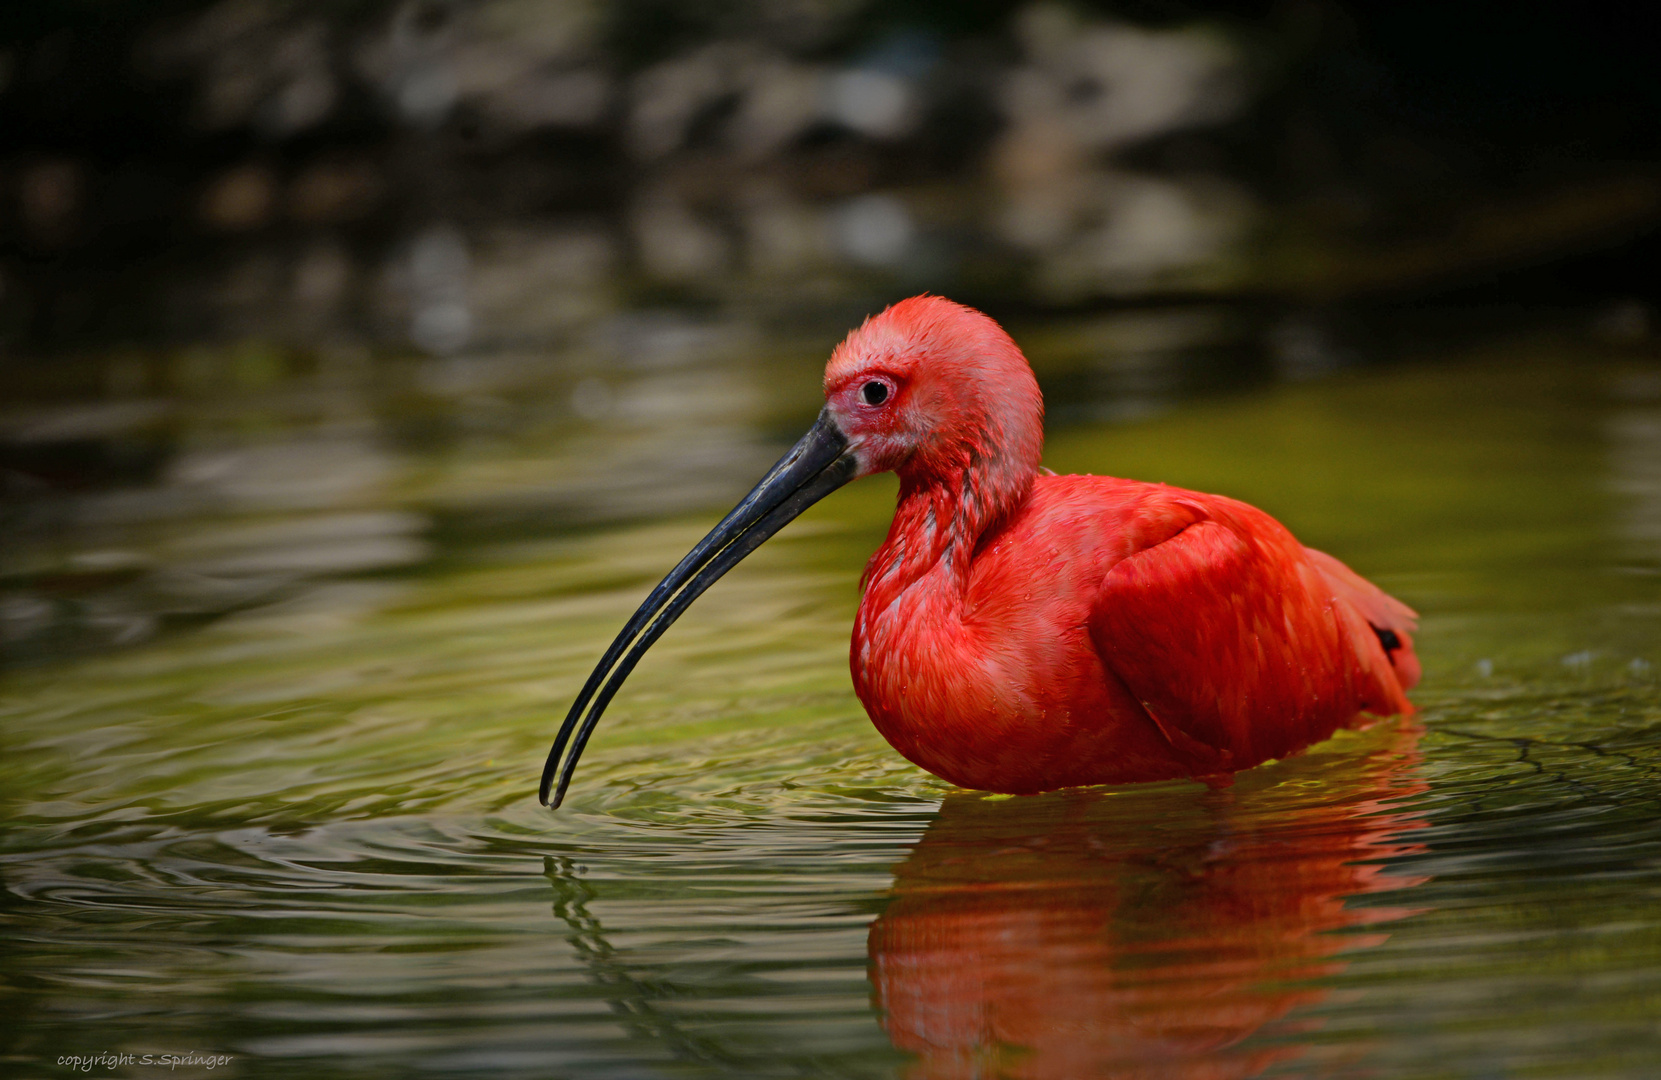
[{"x": 1021, "y": 631}]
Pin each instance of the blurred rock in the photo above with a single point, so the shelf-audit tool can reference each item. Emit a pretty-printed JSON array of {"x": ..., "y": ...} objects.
[
  {"x": 439, "y": 268},
  {"x": 1123, "y": 233},
  {"x": 873, "y": 230},
  {"x": 1087, "y": 90},
  {"x": 1057, "y": 154},
  {"x": 303, "y": 90},
  {"x": 334, "y": 191},
  {"x": 254, "y": 62},
  {"x": 874, "y": 103},
  {"x": 50, "y": 197},
  {"x": 1108, "y": 85},
  {"x": 322, "y": 279},
  {"x": 572, "y": 98},
  {"x": 666, "y": 98},
  {"x": 240, "y": 199},
  {"x": 879, "y": 96},
  {"x": 673, "y": 242},
  {"x": 534, "y": 284},
  {"x": 780, "y": 99},
  {"x": 525, "y": 65},
  {"x": 783, "y": 235},
  {"x": 408, "y": 59}
]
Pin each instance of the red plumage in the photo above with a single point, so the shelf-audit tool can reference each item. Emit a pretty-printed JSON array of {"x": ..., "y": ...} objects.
[{"x": 1021, "y": 632}]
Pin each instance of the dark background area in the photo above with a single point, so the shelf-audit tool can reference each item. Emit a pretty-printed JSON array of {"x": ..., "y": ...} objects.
[{"x": 1389, "y": 150}]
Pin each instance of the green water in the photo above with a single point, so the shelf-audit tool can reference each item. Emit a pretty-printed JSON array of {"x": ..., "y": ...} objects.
[{"x": 305, "y": 835}]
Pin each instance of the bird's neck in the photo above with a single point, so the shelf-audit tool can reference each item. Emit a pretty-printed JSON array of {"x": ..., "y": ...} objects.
[{"x": 939, "y": 520}]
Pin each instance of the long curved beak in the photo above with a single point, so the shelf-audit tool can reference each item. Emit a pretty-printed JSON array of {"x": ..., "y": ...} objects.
[{"x": 817, "y": 465}]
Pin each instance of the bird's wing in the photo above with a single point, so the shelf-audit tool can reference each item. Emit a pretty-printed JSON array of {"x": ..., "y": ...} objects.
[{"x": 1236, "y": 645}]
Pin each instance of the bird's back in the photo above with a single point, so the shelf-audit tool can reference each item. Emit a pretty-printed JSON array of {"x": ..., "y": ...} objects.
[{"x": 1236, "y": 642}]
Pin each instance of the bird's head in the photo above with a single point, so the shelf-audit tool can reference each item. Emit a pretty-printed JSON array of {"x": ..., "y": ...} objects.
[{"x": 929, "y": 389}]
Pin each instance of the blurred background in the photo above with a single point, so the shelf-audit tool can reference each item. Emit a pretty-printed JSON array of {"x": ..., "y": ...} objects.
[
  {"x": 362, "y": 364},
  {"x": 300, "y": 293}
]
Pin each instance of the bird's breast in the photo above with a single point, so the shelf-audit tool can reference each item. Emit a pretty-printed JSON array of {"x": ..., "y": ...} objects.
[{"x": 983, "y": 671}]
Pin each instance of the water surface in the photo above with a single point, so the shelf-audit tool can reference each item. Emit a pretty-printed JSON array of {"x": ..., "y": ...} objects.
[{"x": 303, "y": 832}]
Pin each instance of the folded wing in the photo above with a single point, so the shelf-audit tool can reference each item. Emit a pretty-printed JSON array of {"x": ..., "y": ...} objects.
[{"x": 1244, "y": 646}]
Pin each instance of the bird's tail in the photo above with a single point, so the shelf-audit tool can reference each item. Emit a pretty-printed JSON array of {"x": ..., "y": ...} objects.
[{"x": 1392, "y": 622}]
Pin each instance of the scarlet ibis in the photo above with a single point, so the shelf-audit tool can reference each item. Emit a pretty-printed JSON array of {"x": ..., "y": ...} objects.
[{"x": 1021, "y": 631}]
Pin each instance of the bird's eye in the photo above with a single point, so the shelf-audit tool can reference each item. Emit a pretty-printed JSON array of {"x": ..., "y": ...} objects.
[{"x": 874, "y": 393}]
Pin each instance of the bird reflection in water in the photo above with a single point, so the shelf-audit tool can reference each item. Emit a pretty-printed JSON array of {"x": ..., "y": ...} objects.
[{"x": 1141, "y": 932}]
